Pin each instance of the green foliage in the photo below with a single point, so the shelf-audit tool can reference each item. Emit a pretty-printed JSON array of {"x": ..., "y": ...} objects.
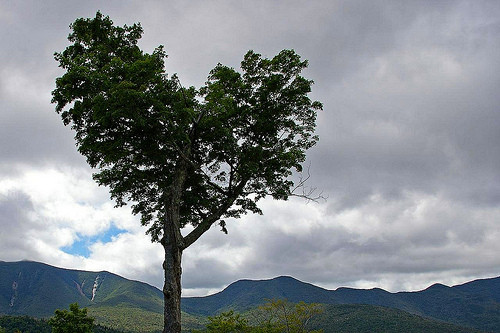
[
  {"x": 183, "y": 156},
  {"x": 150, "y": 138},
  {"x": 134, "y": 319},
  {"x": 73, "y": 321},
  {"x": 127, "y": 318},
  {"x": 279, "y": 316},
  {"x": 361, "y": 318},
  {"x": 283, "y": 316},
  {"x": 24, "y": 324},
  {"x": 227, "y": 322},
  {"x": 276, "y": 316}
]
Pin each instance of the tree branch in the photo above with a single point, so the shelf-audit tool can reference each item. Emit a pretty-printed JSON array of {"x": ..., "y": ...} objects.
[
  {"x": 200, "y": 116},
  {"x": 214, "y": 217},
  {"x": 307, "y": 192}
]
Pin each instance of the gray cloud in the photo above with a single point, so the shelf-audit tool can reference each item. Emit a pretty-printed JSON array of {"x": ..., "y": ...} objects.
[
  {"x": 420, "y": 116},
  {"x": 15, "y": 211},
  {"x": 409, "y": 148}
]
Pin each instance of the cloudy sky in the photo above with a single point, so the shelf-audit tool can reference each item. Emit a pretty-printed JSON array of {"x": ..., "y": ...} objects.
[{"x": 409, "y": 151}]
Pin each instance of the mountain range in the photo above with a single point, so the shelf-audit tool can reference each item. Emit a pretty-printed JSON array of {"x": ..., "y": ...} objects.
[
  {"x": 36, "y": 289},
  {"x": 474, "y": 304}
]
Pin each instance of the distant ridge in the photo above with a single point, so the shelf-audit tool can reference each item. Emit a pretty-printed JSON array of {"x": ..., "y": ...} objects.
[
  {"x": 36, "y": 289},
  {"x": 473, "y": 304},
  {"x": 244, "y": 294}
]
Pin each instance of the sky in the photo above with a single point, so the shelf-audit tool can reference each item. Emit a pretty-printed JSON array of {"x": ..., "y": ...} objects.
[{"x": 408, "y": 157}]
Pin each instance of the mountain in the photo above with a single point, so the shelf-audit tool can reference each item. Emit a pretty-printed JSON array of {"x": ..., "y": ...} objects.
[
  {"x": 36, "y": 289},
  {"x": 474, "y": 304},
  {"x": 245, "y": 294}
]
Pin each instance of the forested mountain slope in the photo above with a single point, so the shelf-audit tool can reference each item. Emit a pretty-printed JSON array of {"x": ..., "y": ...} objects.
[{"x": 36, "y": 289}]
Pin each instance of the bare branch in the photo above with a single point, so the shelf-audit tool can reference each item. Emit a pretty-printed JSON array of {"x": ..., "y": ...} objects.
[{"x": 301, "y": 190}]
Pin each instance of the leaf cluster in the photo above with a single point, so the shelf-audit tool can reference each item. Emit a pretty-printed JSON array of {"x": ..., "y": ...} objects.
[
  {"x": 227, "y": 145},
  {"x": 276, "y": 316},
  {"x": 279, "y": 315},
  {"x": 73, "y": 321},
  {"x": 12, "y": 324}
]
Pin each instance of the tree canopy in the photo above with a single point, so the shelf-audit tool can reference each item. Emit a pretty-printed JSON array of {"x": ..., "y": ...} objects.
[
  {"x": 183, "y": 156},
  {"x": 275, "y": 316},
  {"x": 73, "y": 321},
  {"x": 239, "y": 135}
]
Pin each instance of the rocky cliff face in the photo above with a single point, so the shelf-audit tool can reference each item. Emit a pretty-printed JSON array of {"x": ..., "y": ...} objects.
[
  {"x": 14, "y": 293},
  {"x": 94, "y": 288}
]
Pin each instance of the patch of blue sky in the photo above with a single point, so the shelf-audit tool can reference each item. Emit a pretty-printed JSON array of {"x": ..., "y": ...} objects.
[{"x": 81, "y": 247}]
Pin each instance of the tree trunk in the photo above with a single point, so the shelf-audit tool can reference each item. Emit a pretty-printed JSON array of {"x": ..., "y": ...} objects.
[
  {"x": 172, "y": 288},
  {"x": 173, "y": 244}
]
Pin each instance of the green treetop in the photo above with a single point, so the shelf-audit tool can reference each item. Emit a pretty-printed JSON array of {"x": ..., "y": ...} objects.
[
  {"x": 73, "y": 321},
  {"x": 183, "y": 156}
]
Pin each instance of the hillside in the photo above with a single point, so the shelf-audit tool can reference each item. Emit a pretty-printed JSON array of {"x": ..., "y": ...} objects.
[
  {"x": 25, "y": 324},
  {"x": 473, "y": 304},
  {"x": 348, "y": 318},
  {"x": 36, "y": 289},
  {"x": 334, "y": 319},
  {"x": 245, "y": 294}
]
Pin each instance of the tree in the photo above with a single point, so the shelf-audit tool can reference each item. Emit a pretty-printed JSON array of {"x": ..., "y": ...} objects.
[
  {"x": 73, "y": 321},
  {"x": 276, "y": 316},
  {"x": 227, "y": 322},
  {"x": 183, "y": 156},
  {"x": 282, "y": 316}
]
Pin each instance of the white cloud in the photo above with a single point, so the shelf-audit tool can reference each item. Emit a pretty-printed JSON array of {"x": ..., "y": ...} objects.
[
  {"x": 408, "y": 243},
  {"x": 409, "y": 148},
  {"x": 58, "y": 206},
  {"x": 386, "y": 241},
  {"x": 131, "y": 255},
  {"x": 68, "y": 197}
]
